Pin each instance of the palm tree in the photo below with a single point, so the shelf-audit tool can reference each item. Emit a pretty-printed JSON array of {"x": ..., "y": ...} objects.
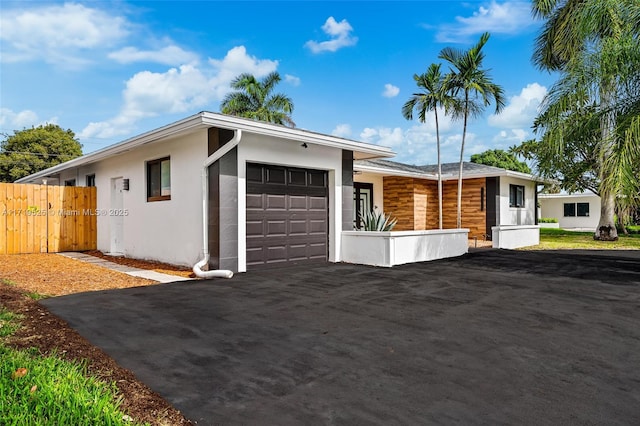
[
  {"x": 433, "y": 95},
  {"x": 474, "y": 88},
  {"x": 594, "y": 44},
  {"x": 253, "y": 99}
]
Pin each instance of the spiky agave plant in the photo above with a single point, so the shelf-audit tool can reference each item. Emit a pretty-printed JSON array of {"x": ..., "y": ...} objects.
[{"x": 377, "y": 221}]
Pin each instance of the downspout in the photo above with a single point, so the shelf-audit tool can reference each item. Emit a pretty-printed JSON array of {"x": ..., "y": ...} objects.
[{"x": 197, "y": 268}]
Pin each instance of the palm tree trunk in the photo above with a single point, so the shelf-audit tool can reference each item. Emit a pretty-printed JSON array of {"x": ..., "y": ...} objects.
[
  {"x": 464, "y": 135},
  {"x": 606, "y": 230},
  {"x": 439, "y": 172}
]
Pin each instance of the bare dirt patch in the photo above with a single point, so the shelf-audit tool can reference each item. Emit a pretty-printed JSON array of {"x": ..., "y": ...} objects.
[
  {"x": 164, "y": 268},
  {"x": 52, "y": 274}
]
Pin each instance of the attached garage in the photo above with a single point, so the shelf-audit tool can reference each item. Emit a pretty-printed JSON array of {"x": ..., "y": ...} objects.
[{"x": 287, "y": 218}]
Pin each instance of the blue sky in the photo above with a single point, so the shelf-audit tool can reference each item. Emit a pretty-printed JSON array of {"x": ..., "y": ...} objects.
[{"x": 112, "y": 70}]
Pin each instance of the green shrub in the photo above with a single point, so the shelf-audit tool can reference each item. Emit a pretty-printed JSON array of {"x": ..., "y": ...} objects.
[
  {"x": 377, "y": 221},
  {"x": 547, "y": 220}
]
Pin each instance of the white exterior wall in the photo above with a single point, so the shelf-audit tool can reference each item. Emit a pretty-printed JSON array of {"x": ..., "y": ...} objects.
[
  {"x": 397, "y": 248},
  {"x": 552, "y": 205},
  {"x": 168, "y": 231},
  {"x": 513, "y": 236},
  {"x": 378, "y": 187},
  {"x": 513, "y": 215},
  {"x": 269, "y": 150}
]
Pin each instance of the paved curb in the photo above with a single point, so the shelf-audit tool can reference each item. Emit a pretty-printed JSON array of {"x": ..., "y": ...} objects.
[{"x": 129, "y": 270}]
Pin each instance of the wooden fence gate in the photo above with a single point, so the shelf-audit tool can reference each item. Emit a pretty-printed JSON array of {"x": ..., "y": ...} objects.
[{"x": 47, "y": 219}]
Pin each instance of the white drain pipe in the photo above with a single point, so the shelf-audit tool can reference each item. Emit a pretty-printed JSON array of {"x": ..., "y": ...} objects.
[{"x": 197, "y": 268}]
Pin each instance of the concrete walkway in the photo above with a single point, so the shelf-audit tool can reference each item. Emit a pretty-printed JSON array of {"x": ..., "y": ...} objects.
[{"x": 129, "y": 270}]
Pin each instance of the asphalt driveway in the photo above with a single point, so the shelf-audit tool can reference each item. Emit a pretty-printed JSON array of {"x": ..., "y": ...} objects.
[{"x": 493, "y": 337}]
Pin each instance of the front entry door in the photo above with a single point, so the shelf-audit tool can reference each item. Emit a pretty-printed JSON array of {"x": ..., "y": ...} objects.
[
  {"x": 362, "y": 202},
  {"x": 116, "y": 221}
]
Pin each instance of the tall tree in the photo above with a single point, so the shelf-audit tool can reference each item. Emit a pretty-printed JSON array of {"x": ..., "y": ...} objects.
[
  {"x": 474, "y": 88},
  {"x": 594, "y": 45},
  {"x": 433, "y": 94},
  {"x": 254, "y": 99},
  {"x": 500, "y": 158},
  {"x": 30, "y": 150}
]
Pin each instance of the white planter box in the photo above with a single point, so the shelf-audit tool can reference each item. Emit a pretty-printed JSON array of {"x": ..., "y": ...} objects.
[
  {"x": 550, "y": 225},
  {"x": 400, "y": 247},
  {"x": 515, "y": 236}
]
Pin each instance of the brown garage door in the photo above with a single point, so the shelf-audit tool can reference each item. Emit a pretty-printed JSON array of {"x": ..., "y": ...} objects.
[{"x": 287, "y": 216}]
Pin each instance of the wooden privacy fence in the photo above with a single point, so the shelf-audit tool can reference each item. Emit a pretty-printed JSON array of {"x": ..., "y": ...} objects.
[{"x": 42, "y": 218}]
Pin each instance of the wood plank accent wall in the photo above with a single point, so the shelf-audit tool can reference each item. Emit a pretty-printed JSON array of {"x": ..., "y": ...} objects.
[
  {"x": 41, "y": 218},
  {"x": 415, "y": 203}
]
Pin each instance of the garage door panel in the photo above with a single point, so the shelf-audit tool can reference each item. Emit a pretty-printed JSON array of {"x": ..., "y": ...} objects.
[
  {"x": 255, "y": 228},
  {"x": 317, "y": 250},
  {"x": 277, "y": 254},
  {"x": 277, "y": 228},
  {"x": 318, "y": 227},
  {"x": 298, "y": 202},
  {"x": 276, "y": 202},
  {"x": 255, "y": 201},
  {"x": 318, "y": 203},
  {"x": 298, "y": 227},
  {"x": 287, "y": 216}
]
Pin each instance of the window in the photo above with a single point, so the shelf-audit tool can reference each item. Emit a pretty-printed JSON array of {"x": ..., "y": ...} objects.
[
  {"x": 91, "y": 180},
  {"x": 583, "y": 209},
  {"x": 576, "y": 209},
  {"x": 159, "y": 180},
  {"x": 569, "y": 209},
  {"x": 516, "y": 196},
  {"x": 70, "y": 182}
]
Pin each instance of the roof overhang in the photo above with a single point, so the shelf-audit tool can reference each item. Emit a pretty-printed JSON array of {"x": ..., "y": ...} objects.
[
  {"x": 379, "y": 170},
  {"x": 205, "y": 120},
  {"x": 388, "y": 171}
]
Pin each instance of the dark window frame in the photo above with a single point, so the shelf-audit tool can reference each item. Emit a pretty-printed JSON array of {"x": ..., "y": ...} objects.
[
  {"x": 157, "y": 176},
  {"x": 569, "y": 209},
  {"x": 581, "y": 211},
  {"x": 516, "y": 196},
  {"x": 70, "y": 182},
  {"x": 90, "y": 180}
]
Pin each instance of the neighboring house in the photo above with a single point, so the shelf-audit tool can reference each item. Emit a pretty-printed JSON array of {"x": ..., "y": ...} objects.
[
  {"x": 276, "y": 195},
  {"x": 573, "y": 211},
  {"x": 491, "y": 196}
]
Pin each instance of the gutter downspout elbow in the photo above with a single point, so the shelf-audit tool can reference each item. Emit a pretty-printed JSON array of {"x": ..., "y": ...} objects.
[{"x": 221, "y": 152}]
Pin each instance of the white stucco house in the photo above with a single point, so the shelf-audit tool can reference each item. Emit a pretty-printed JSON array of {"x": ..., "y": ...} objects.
[
  {"x": 274, "y": 194},
  {"x": 241, "y": 195},
  {"x": 573, "y": 211}
]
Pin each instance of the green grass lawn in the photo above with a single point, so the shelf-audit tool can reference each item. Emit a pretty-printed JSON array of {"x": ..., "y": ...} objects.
[
  {"x": 46, "y": 390},
  {"x": 557, "y": 239}
]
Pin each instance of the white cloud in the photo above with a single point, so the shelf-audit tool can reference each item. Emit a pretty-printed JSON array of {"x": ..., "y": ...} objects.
[
  {"x": 58, "y": 34},
  {"x": 292, "y": 79},
  {"x": 236, "y": 62},
  {"x": 340, "y": 34},
  {"x": 384, "y": 136},
  {"x": 22, "y": 119},
  {"x": 168, "y": 55},
  {"x": 178, "y": 90},
  {"x": 521, "y": 109},
  {"x": 342, "y": 130},
  {"x": 506, "y": 138},
  {"x": 510, "y": 17},
  {"x": 390, "y": 91}
]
